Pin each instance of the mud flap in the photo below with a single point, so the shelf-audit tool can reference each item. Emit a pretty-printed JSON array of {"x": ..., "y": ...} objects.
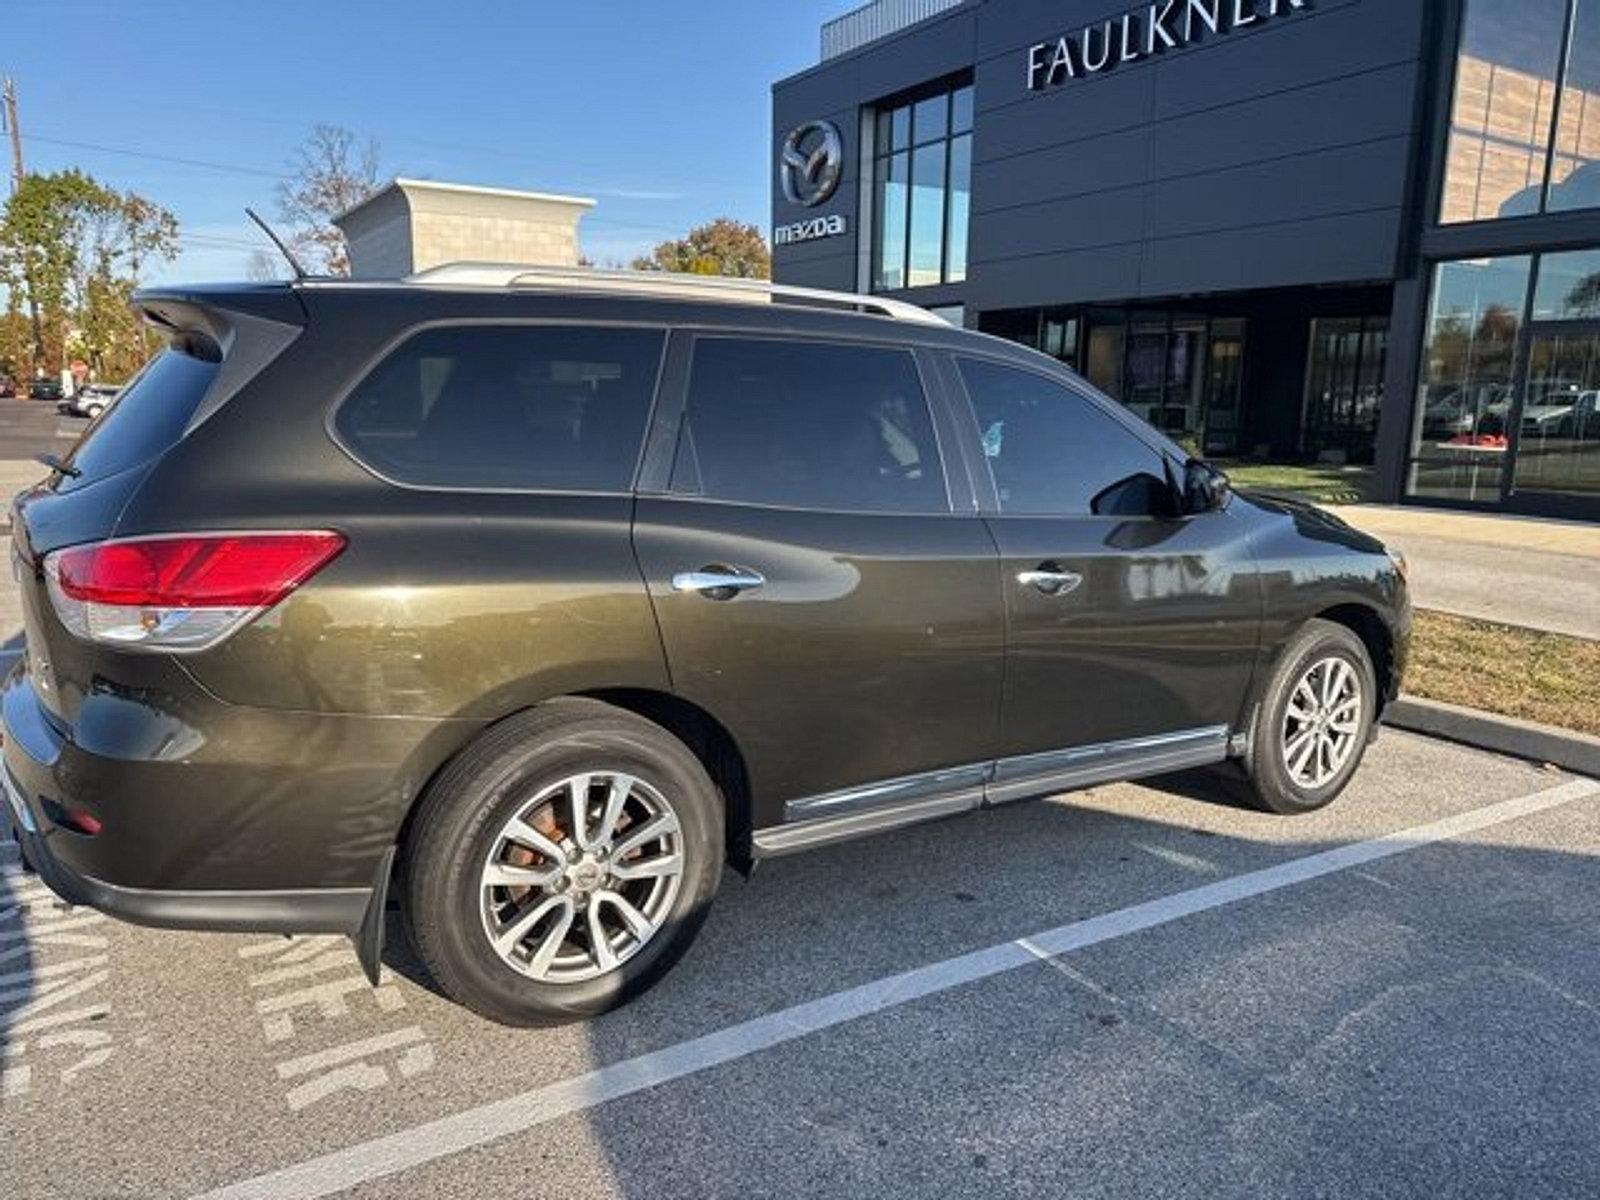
[{"x": 368, "y": 938}]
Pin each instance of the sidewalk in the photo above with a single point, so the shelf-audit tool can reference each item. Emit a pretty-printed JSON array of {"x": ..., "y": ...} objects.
[{"x": 1518, "y": 570}]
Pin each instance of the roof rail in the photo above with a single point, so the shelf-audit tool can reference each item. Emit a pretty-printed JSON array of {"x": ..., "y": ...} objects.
[{"x": 663, "y": 283}]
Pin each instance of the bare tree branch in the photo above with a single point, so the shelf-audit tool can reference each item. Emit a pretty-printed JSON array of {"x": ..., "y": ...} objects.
[{"x": 332, "y": 172}]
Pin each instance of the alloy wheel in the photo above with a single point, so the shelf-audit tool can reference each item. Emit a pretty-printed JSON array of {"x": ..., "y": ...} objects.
[
  {"x": 581, "y": 877},
  {"x": 1322, "y": 722}
]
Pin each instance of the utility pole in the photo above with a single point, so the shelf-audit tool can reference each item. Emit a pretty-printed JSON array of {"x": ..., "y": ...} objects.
[
  {"x": 10, "y": 97},
  {"x": 18, "y": 172}
]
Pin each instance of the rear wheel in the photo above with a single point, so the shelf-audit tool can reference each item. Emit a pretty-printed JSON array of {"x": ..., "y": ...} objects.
[
  {"x": 562, "y": 864},
  {"x": 1315, "y": 720}
]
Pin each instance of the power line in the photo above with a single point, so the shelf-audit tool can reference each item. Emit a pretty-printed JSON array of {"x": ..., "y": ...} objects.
[
  {"x": 166, "y": 158},
  {"x": 235, "y": 168}
]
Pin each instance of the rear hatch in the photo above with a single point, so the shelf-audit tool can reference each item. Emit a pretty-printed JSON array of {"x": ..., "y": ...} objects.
[{"x": 218, "y": 339}]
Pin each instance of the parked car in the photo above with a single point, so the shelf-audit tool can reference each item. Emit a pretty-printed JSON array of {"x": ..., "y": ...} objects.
[
  {"x": 8, "y": 387},
  {"x": 531, "y": 598},
  {"x": 45, "y": 389},
  {"x": 1575, "y": 414},
  {"x": 90, "y": 400}
]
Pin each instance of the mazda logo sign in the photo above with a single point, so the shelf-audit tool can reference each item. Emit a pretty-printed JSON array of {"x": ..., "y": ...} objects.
[{"x": 811, "y": 163}]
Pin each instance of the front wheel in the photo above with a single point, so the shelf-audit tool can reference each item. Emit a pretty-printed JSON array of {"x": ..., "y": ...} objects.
[
  {"x": 562, "y": 864},
  {"x": 1315, "y": 720}
]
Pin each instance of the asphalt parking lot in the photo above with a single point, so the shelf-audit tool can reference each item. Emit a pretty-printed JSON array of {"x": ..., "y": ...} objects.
[
  {"x": 1135, "y": 991},
  {"x": 33, "y": 427}
]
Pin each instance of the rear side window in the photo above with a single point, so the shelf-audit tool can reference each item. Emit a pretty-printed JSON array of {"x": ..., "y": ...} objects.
[
  {"x": 809, "y": 425},
  {"x": 147, "y": 419},
  {"x": 1052, "y": 452},
  {"x": 549, "y": 408}
]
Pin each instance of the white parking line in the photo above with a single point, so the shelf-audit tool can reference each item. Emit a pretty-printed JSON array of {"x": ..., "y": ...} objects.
[{"x": 395, "y": 1152}]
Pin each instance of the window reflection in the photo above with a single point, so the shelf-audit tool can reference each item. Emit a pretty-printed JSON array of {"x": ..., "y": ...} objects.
[
  {"x": 1515, "y": 84},
  {"x": 927, "y": 214},
  {"x": 922, "y": 190},
  {"x": 1344, "y": 387},
  {"x": 1468, "y": 372},
  {"x": 1568, "y": 287},
  {"x": 1575, "y": 170},
  {"x": 1559, "y": 447}
]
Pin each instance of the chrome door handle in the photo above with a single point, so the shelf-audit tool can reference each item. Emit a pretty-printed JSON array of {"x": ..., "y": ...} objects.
[
  {"x": 718, "y": 583},
  {"x": 1051, "y": 583}
]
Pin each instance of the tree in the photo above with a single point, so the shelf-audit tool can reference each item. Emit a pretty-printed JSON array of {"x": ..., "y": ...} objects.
[
  {"x": 16, "y": 339},
  {"x": 721, "y": 247},
  {"x": 1584, "y": 298},
  {"x": 330, "y": 173},
  {"x": 76, "y": 249}
]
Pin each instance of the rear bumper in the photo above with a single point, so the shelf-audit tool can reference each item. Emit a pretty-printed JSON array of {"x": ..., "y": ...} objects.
[
  {"x": 311, "y": 910},
  {"x": 212, "y": 816}
]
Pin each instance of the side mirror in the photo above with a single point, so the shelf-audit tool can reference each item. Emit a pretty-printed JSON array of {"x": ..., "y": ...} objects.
[{"x": 1205, "y": 489}]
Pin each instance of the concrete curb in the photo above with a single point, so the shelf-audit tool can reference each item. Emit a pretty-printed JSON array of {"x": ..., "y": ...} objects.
[{"x": 1564, "y": 748}]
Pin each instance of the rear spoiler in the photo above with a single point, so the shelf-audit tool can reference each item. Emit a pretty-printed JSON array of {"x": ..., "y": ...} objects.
[{"x": 243, "y": 327}]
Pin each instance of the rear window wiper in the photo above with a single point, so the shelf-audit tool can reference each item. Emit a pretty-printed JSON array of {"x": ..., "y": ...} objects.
[{"x": 58, "y": 465}]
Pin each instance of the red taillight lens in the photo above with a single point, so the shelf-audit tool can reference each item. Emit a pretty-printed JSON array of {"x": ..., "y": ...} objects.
[
  {"x": 247, "y": 570},
  {"x": 182, "y": 593}
]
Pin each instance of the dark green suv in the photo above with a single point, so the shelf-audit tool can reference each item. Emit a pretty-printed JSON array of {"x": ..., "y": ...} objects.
[{"x": 531, "y": 598}]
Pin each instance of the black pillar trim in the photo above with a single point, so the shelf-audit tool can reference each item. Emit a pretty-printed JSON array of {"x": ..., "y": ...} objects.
[{"x": 1408, "y": 321}]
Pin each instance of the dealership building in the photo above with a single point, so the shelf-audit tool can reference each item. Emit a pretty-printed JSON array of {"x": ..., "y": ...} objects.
[{"x": 1357, "y": 231}]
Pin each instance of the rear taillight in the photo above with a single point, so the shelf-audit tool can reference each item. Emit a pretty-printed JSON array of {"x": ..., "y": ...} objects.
[{"x": 184, "y": 592}]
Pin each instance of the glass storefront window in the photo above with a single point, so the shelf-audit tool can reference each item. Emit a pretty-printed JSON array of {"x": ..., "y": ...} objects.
[
  {"x": 1224, "y": 387},
  {"x": 927, "y": 215},
  {"x": 1575, "y": 169},
  {"x": 930, "y": 119},
  {"x": 959, "y": 212},
  {"x": 1104, "y": 366},
  {"x": 1020, "y": 325},
  {"x": 1568, "y": 287},
  {"x": 1558, "y": 449},
  {"x": 1344, "y": 386},
  {"x": 892, "y": 179},
  {"x": 1507, "y": 76},
  {"x": 922, "y": 191},
  {"x": 1184, "y": 373},
  {"x": 1060, "y": 339},
  {"x": 1459, "y": 438},
  {"x": 961, "y": 110}
]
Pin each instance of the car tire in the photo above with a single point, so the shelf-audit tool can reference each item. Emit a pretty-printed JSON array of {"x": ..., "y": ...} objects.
[
  {"x": 94, "y": 410},
  {"x": 1314, "y": 722},
  {"x": 504, "y": 809}
]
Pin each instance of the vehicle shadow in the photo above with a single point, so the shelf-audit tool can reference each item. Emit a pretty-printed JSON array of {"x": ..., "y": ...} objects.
[
  {"x": 1303, "y": 1045},
  {"x": 1209, "y": 786}
]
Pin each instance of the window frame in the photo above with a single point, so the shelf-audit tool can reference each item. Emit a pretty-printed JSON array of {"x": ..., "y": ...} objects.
[
  {"x": 883, "y": 156},
  {"x": 330, "y": 420},
  {"x": 1169, "y": 453},
  {"x": 673, "y": 407},
  {"x": 1452, "y": 38}
]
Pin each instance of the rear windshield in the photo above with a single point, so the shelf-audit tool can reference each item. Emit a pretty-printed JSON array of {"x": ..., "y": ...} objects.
[{"x": 147, "y": 419}]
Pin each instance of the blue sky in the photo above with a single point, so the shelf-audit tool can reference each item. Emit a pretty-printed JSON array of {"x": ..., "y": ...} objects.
[{"x": 657, "y": 108}]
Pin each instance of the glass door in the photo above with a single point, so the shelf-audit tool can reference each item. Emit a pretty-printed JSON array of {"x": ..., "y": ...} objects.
[
  {"x": 1344, "y": 386},
  {"x": 1558, "y": 426},
  {"x": 1224, "y": 386}
]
